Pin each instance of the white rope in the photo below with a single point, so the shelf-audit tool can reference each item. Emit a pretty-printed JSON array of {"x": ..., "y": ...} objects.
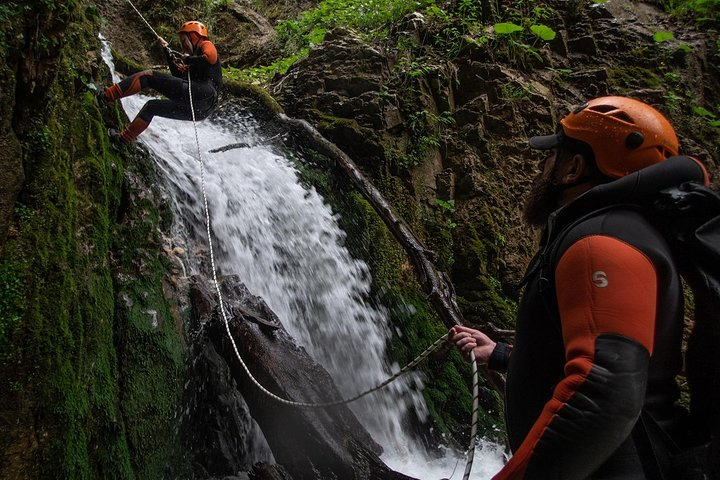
[
  {"x": 473, "y": 425},
  {"x": 436, "y": 345}
]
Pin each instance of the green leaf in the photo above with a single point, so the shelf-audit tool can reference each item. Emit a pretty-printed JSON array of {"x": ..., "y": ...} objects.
[
  {"x": 600, "y": 1},
  {"x": 447, "y": 205},
  {"x": 506, "y": 28},
  {"x": 544, "y": 32},
  {"x": 685, "y": 48},
  {"x": 663, "y": 36}
]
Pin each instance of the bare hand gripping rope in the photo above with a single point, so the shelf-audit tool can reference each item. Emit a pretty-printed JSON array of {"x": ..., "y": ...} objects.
[{"x": 432, "y": 348}]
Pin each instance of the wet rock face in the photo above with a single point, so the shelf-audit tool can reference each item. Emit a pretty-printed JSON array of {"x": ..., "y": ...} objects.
[
  {"x": 219, "y": 430},
  {"x": 367, "y": 99},
  {"x": 309, "y": 443}
]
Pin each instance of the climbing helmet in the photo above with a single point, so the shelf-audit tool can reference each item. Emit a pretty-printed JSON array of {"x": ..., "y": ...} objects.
[{"x": 625, "y": 134}]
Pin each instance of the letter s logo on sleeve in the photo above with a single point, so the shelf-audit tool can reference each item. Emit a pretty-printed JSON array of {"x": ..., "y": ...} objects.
[{"x": 599, "y": 278}]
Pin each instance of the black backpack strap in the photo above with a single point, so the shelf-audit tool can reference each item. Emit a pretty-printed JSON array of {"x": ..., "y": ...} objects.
[{"x": 550, "y": 256}]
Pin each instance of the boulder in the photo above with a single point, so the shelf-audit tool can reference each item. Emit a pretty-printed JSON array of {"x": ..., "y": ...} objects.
[{"x": 309, "y": 443}]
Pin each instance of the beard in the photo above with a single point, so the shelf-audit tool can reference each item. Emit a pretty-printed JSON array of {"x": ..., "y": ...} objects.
[{"x": 543, "y": 199}]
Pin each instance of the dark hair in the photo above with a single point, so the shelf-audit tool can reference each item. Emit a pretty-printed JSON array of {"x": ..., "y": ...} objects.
[{"x": 573, "y": 146}]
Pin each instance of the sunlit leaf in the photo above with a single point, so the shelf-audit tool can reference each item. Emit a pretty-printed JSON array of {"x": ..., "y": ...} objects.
[
  {"x": 544, "y": 32},
  {"x": 506, "y": 28}
]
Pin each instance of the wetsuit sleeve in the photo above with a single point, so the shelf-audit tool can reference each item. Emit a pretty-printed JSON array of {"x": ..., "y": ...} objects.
[
  {"x": 606, "y": 293},
  {"x": 206, "y": 56}
]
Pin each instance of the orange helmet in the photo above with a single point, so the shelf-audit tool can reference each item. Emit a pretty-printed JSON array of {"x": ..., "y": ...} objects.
[
  {"x": 625, "y": 135},
  {"x": 194, "y": 26}
]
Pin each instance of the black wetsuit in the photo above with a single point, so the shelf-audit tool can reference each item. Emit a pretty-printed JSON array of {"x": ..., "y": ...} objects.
[
  {"x": 205, "y": 74},
  {"x": 598, "y": 339},
  {"x": 206, "y": 81}
]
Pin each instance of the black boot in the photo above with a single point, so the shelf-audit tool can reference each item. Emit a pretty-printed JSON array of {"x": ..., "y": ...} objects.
[
  {"x": 100, "y": 97},
  {"x": 116, "y": 140},
  {"x": 99, "y": 94}
]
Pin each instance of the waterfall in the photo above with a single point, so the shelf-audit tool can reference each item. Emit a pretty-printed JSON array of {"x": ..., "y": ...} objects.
[{"x": 285, "y": 244}]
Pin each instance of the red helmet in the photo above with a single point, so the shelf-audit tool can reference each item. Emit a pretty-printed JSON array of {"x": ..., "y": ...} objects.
[
  {"x": 194, "y": 26},
  {"x": 625, "y": 135}
]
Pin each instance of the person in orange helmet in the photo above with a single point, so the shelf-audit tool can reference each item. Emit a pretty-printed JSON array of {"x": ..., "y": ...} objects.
[
  {"x": 600, "y": 323},
  {"x": 199, "y": 60}
]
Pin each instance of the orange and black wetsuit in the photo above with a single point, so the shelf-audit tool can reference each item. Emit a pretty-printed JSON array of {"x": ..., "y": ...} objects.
[
  {"x": 205, "y": 73},
  {"x": 598, "y": 339}
]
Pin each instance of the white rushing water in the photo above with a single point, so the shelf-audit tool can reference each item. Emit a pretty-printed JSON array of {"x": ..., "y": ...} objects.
[{"x": 285, "y": 244}]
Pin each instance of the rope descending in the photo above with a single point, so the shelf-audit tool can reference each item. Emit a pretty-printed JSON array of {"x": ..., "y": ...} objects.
[{"x": 143, "y": 19}]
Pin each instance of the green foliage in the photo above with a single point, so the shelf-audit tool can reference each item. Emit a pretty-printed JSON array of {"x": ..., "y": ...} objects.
[
  {"x": 704, "y": 13},
  {"x": 427, "y": 131},
  {"x": 262, "y": 75},
  {"x": 511, "y": 34},
  {"x": 360, "y": 14},
  {"x": 514, "y": 92},
  {"x": 685, "y": 48},
  {"x": 709, "y": 116},
  {"x": 448, "y": 206}
]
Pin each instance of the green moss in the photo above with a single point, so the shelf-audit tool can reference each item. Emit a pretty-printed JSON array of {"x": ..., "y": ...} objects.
[
  {"x": 244, "y": 89},
  {"x": 124, "y": 65},
  {"x": 68, "y": 355},
  {"x": 633, "y": 77},
  {"x": 448, "y": 379}
]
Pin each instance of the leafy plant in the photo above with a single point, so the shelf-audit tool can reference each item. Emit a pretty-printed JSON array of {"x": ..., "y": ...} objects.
[
  {"x": 711, "y": 118},
  {"x": 449, "y": 207}
]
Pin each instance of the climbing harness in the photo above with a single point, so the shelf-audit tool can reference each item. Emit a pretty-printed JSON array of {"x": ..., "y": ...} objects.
[{"x": 432, "y": 348}]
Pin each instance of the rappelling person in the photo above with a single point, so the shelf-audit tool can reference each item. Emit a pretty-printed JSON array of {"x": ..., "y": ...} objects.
[
  {"x": 198, "y": 59},
  {"x": 591, "y": 378}
]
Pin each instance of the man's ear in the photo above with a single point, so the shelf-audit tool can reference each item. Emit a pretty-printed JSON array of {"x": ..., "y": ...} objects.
[{"x": 574, "y": 169}]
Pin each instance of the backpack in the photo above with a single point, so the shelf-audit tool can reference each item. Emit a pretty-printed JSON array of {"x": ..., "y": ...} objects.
[{"x": 673, "y": 195}]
